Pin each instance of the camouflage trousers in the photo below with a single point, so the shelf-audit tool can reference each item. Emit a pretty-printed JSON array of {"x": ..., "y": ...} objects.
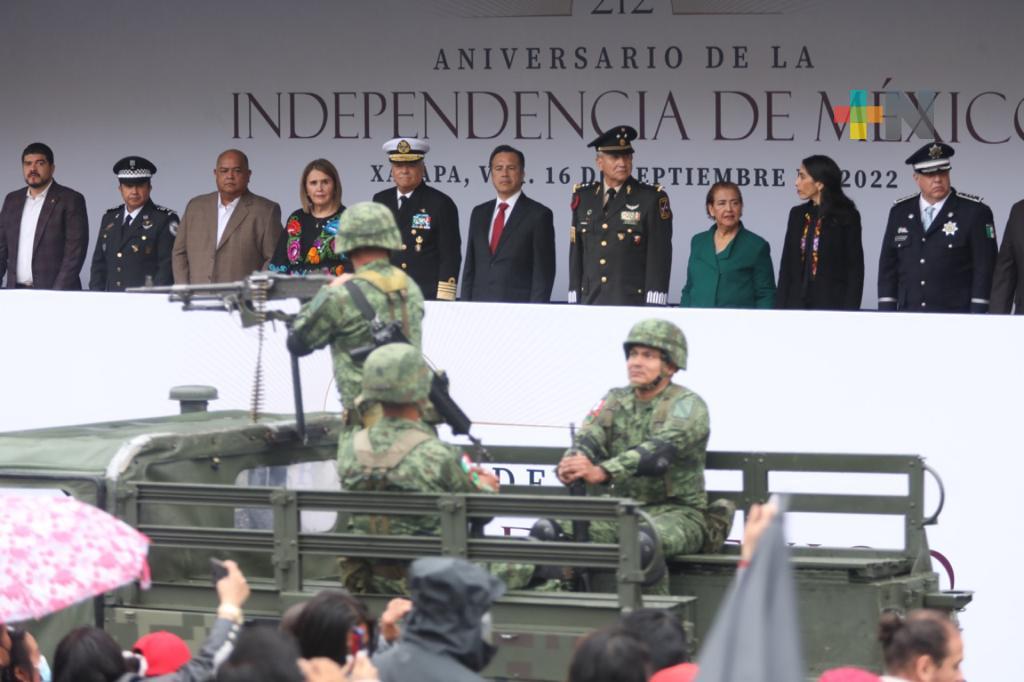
[
  {"x": 681, "y": 530},
  {"x": 361, "y": 576}
]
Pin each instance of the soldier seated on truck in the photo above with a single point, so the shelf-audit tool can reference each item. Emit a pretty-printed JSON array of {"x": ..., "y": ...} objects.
[
  {"x": 400, "y": 453},
  {"x": 648, "y": 441}
]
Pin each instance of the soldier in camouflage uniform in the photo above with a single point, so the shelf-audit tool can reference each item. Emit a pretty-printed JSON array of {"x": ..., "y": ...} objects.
[
  {"x": 399, "y": 453},
  {"x": 368, "y": 234},
  {"x": 648, "y": 441}
]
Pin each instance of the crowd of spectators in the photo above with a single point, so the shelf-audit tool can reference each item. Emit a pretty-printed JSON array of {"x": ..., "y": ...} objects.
[{"x": 442, "y": 633}]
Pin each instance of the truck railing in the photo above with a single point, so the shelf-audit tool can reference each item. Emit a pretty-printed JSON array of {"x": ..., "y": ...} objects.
[
  {"x": 755, "y": 469},
  {"x": 287, "y": 545}
]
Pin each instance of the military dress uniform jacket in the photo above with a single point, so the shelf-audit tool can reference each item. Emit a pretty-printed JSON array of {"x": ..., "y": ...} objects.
[
  {"x": 431, "y": 242},
  {"x": 620, "y": 254},
  {"x": 946, "y": 269},
  {"x": 124, "y": 257}
]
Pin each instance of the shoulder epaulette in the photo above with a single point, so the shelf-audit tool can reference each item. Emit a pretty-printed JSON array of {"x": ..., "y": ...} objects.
[
  {"x": 164, "y": 209},
  {"x": 972, "y": 197},
  {"x": 116, "y": 208},
  {"x": 659, "y": 188},
  {"x": 582, "y": 185},
  {"x": 906, "y": 198}
]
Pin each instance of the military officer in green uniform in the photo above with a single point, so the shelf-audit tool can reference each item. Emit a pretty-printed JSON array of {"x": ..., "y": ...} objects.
[
  {"x": 367, "y": 233},
  {"x": 648, "y": 441},
  {"x": 620, "y": 239},
  {"x": 400, "y": 453},
  {"x": 136, "y": 237}
]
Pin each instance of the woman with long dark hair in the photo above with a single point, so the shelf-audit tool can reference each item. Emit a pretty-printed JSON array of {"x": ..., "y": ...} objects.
[{"x": 822, "y": 264}]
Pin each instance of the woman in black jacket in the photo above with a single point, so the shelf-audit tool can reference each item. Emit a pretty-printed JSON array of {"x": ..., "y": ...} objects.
[{"x": 822, "y": 264}]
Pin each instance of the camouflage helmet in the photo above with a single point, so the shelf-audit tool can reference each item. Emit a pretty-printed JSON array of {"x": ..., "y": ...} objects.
[
  {"x": 660, "y": 334},
  {"x": 367, "y": 224},
  {"x": 396, "y": 373}
]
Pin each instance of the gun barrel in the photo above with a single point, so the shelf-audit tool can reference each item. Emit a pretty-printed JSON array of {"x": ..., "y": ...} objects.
[{"x": 273, "y": 286}]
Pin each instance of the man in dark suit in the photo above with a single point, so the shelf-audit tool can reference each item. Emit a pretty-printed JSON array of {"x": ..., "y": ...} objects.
[
  {"x": 427, "y": 218},
  {"x": 510, "y": 256},
  {"x": 226, "y": 235},
  {"x": 136, "y": 237},
  {"x": 939, "y": 247},
  {"x": 44, "y": 231},
  {"x": 620, "y": 241},
  {"x": 1008, "y": 281}
]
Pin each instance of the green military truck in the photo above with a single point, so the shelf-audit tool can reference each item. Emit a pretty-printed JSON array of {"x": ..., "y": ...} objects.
[{"x": 187, "y": 482}]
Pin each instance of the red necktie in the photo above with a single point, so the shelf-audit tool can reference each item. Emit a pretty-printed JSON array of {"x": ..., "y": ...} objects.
[{"x": 499, "y": 225}]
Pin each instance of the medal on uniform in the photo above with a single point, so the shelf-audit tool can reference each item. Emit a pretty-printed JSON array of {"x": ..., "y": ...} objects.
[
  {"x": 146, "y": 223},
  {"x": 949, "y": 228},
  {"x": 636, "y": 239},
  {"x": 630, "y": 217},
  {"x": 421, "y": 221}
]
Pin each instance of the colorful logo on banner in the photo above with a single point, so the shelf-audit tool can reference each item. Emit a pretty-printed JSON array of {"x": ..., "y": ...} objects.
[{"x": 858, "y": 114}]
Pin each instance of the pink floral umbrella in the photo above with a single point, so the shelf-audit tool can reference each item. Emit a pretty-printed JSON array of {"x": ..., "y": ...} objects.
[{"x": 55, "y": 551}]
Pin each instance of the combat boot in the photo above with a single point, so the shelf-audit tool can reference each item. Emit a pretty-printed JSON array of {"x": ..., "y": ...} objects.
[
  {"x": 549, "y": 530},
  {"x": 718, "y": 518}
]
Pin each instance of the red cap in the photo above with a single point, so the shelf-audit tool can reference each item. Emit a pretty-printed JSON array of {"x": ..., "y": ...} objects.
[
  {"x": 164, "y": 652},
  {"x": 684, "y": 672},
  {"x": 848, "y": 675}
]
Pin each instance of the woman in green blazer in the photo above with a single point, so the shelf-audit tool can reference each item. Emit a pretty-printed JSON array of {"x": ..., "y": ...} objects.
[{"x": 729, "y": 266}]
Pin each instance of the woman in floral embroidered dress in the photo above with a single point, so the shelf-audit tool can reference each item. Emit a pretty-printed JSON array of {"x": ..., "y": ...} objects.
[
  {"x": 307, "y": 247},
  {"x": 822, "y": 264}
]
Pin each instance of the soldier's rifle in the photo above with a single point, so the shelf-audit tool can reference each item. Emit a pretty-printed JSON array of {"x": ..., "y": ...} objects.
[
  {"x": 249, "y": 298},
  {"x": 383, "y": 333}
]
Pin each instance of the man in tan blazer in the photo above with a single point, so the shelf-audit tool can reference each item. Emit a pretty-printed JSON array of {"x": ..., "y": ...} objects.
[{"x": 226, "y": 235}]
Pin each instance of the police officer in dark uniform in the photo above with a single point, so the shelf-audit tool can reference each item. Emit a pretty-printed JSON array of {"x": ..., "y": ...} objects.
[
  {"x": 136, "y": 238},
  {"x": 428, "y": 219},
  {"x": 620, "y": 241},
  {"x": 939, "y": 248}
]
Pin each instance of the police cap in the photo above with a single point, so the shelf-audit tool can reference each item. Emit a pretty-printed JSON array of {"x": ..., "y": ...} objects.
[
  {"x": 134, "y": 170},
  {"x": 932, "y": 158}
]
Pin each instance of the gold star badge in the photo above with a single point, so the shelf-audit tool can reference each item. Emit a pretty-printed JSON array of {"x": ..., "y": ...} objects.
[{"x": 935, "y": 151}]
